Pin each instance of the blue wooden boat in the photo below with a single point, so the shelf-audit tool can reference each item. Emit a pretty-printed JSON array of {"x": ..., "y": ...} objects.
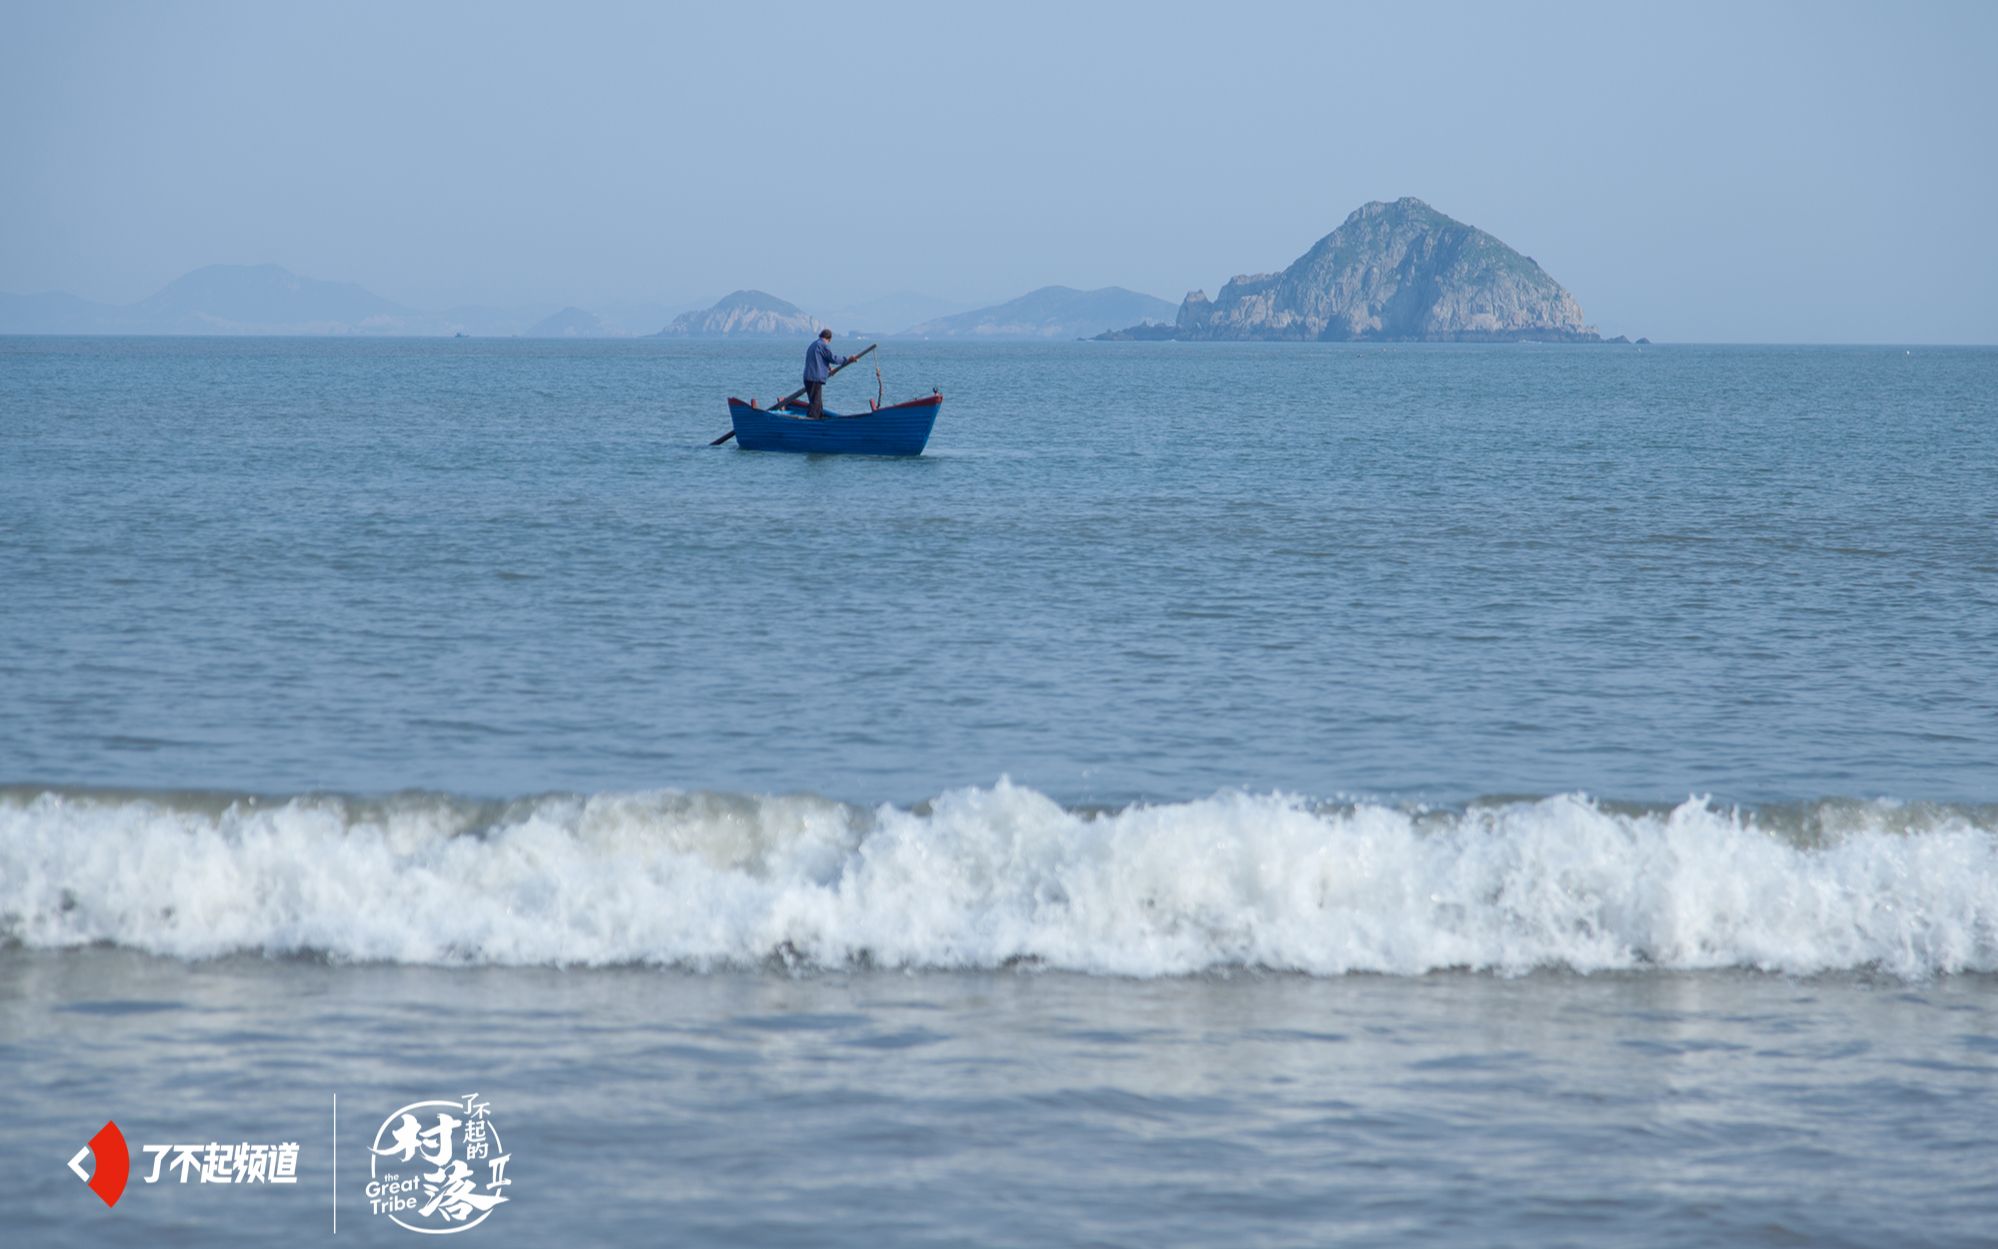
[{"x": 898, "y": 429}]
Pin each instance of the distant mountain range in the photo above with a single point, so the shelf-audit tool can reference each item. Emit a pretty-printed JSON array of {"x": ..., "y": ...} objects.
[
  {"x": 1390, "y": 272},
  {"x": 888, "y": 314},
  {"x": 1050, "y": 312},
  {"x": 222, "y": 299},
  {"x": 571, "y": 323},
  {"x": 268, "y": 299}
]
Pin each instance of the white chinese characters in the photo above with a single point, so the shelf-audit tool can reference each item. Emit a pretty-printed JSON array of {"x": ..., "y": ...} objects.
[
  {"x": 456, "y": 1166},
  {"x": 220, "y": 1163}
]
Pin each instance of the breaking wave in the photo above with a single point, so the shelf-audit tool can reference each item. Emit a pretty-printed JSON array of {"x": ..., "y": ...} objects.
[{"x": 1003, "y": 876}]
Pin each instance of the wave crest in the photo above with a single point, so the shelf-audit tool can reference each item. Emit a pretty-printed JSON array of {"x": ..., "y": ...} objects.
[{"x": 992, "y": 877}]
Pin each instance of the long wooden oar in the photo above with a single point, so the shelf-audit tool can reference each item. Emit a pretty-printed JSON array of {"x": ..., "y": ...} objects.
[{"x": 779, "y": 405}]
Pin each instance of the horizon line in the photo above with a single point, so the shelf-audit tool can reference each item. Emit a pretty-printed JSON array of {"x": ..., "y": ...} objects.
[{"x": 764, "y": 339}]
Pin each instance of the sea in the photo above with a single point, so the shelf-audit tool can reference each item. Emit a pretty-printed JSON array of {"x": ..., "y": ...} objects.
[{"x": 1218, "y": 795}]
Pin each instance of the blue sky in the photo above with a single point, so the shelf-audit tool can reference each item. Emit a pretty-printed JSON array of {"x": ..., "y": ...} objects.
[{"x": 1727, "y": 172}]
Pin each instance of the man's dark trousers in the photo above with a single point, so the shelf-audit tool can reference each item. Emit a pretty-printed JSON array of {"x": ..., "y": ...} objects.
[{"x": 815, "y": 398}]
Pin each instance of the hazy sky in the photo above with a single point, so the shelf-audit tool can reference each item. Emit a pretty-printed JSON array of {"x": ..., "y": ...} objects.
[{"x": 1739, "y": 171}]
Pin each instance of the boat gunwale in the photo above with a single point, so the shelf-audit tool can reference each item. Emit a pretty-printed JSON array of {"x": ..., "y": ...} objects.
[{"x": 933, "y": 399}]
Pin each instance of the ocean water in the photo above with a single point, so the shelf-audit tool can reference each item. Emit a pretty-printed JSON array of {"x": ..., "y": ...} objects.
[{"x": 1261, "y": 794}]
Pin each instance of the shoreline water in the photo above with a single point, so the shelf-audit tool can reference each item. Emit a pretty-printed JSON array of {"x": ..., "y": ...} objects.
[{"x": 860, "y": 1108}]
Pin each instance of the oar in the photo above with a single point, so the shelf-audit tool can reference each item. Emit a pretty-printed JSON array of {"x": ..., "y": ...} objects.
[{"x": 779, "y": 405}]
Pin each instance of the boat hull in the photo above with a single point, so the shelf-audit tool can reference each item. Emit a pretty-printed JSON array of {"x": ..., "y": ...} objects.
[{"x": 903, "y": 429}]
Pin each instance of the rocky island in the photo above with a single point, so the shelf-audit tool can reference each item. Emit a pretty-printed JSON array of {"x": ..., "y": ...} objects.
[
  {"x": 1390, "y": 272},
  {"x": 744, "y": 314}
]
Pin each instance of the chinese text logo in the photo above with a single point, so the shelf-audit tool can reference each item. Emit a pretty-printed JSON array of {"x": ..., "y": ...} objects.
[
  {"x": 438, "y": 1166},
  {"x": 215, "y": 1162},
  {"x": 220, "y": 1163}
]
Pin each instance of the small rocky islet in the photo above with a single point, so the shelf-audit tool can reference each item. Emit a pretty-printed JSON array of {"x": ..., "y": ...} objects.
[{"x": 1391, "y": 272}]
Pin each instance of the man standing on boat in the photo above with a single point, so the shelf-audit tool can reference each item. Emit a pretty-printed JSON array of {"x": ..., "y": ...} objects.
[{"x": 819, "y": 364}]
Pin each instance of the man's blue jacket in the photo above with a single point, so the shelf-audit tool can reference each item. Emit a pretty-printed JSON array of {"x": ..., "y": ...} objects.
[{"x": 820, "y": 361}]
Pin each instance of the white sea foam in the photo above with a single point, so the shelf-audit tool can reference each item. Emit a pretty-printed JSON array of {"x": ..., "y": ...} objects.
[{"x": 995, "y": 876}]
